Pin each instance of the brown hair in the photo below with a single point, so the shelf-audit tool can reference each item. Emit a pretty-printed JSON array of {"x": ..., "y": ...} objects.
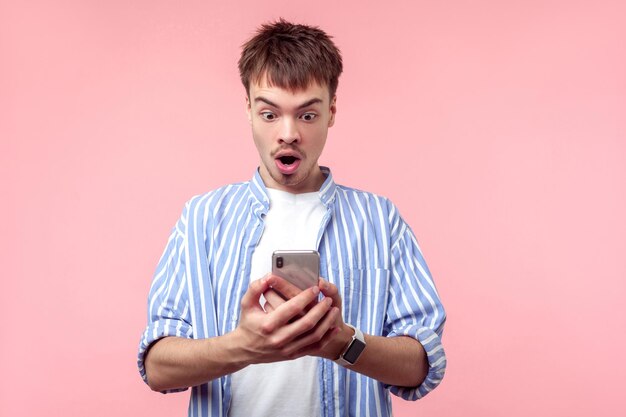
[{"x": 291, "y": 56}]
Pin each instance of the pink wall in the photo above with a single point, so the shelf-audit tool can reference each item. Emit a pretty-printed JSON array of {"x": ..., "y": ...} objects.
[{"x": 498, "y": 128}]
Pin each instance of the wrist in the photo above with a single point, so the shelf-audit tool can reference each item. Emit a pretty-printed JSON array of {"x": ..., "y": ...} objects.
[
  {"x": 353, "y": 350},
  {"x": 238, "y": 355},
  {"x": 341, "y": 342}
]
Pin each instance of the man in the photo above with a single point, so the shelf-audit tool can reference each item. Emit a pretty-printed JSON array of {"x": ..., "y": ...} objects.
[{"x": 248, "y": 342}]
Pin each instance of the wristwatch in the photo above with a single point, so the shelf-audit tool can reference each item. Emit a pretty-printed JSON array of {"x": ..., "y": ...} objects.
[{"x": 354, "y": 349}]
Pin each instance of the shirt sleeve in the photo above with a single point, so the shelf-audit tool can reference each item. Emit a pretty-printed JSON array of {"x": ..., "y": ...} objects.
[
  {"x": 168, "y": 303},
  {"x": 415, "y": 309}
]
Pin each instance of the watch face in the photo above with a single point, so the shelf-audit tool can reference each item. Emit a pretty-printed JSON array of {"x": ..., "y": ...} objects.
[{"x": 354, "y": 351}]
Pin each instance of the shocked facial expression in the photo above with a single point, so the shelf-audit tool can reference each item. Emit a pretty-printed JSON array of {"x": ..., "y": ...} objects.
[{"x": 289, "y": 130}]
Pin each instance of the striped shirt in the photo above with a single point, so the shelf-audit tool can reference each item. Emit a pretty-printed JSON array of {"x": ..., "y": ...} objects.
[{"x": 366, "y": 249}]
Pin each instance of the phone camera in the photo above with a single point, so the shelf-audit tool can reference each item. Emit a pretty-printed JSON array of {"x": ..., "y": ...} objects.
[{"x": 279, "y": 262}]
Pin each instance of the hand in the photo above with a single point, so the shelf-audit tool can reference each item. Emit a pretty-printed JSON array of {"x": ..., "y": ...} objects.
[
  {"x": 283, "y": 332},
  {"x": 341, "y": 333},
  {"x": 338, "y": 336}
]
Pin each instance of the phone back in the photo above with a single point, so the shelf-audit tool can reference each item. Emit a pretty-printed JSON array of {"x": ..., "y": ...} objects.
[{"x": 300, "y": 267}]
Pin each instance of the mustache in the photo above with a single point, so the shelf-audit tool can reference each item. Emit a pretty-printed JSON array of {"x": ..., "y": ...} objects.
[{"x": 289, "y": 148}]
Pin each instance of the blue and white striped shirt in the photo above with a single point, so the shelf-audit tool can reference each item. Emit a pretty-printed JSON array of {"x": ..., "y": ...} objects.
[{"x": 366, "y": 250}]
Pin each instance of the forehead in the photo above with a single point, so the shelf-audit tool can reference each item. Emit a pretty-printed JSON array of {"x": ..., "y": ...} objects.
[{"x": 280, "y": 95}]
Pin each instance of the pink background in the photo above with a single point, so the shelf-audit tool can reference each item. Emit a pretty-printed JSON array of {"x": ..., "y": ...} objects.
[{"x": 498, "y": 128}]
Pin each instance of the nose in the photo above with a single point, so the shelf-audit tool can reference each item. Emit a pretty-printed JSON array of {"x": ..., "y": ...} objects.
[{"x": 288, "y": 131}]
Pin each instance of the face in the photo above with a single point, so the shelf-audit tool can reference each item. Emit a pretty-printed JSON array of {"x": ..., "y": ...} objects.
[{"x": 289, "y": 130}]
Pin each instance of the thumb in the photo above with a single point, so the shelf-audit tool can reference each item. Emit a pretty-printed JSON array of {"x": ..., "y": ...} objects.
[
  {"x": 251, "y": 298},
  {"x": 330, "y": 290}
]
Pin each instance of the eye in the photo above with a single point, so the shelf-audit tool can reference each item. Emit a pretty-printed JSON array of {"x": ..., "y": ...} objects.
[
  {"x": 268, "y": 116},
  {"x": 308, "y": 117}
]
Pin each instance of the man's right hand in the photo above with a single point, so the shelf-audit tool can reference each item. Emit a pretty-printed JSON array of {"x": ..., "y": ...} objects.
[{"x": 280, "y": 334}]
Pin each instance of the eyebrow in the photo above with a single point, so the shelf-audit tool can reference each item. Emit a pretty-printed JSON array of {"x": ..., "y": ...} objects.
[{"x": 301, "y": 106}]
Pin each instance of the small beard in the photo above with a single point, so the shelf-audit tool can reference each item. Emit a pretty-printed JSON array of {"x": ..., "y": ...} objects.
[{"x": 287, "y": 179}]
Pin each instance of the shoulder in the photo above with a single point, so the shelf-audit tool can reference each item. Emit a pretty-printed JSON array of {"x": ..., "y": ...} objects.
[
  {"x": 218, "y": 195},
  {"x": 215, "y": 203},
  {"x": 365, "y": 199},
  {"x": 364, "y": 206}
]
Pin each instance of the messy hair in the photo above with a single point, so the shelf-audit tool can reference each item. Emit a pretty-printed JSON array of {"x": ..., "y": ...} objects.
[{"x": 290, "y": 56}]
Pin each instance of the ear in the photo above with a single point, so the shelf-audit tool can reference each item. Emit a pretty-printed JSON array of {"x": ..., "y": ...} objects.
[
  {"x": 333, "y": 111},
  {"x": 248, "y": 109}
]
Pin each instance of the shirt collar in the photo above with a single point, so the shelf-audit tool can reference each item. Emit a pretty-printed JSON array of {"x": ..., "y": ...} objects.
[{"x": 259, "y": 191}]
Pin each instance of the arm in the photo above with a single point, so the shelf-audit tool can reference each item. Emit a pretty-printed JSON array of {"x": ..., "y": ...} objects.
[
  {"x": 173, "y": 363},
  {"x": 176, "y": 362},
  {"x": 399, "y": 361}
]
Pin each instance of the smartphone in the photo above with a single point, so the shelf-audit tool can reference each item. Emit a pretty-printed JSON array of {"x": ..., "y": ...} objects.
[{"x": 300, "y": 267}]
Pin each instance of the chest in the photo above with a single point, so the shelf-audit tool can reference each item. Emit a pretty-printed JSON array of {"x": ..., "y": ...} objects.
[{"x": 354, "y": 255}]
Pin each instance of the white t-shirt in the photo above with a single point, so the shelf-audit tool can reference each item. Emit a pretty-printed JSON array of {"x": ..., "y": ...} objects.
[{"x": 289, "y": 388}]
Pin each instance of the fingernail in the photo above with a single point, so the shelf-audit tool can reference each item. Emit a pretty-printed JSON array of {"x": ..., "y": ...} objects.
[{"x": 316, "y": 290}]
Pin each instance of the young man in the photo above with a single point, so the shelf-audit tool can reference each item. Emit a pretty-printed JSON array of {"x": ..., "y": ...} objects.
[{"x": 373, "y": 323}]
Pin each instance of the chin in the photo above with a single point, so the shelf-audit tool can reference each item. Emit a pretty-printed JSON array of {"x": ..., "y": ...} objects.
[{"x": 292, "y": 180}]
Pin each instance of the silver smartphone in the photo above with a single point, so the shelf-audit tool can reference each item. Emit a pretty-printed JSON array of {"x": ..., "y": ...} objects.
[{"x": 300, "y": 267}]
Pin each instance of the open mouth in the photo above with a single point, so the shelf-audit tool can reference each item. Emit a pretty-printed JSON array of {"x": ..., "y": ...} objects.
[
  {"x": 287, "y": 164},
  {"x": 287, "y": 160}
]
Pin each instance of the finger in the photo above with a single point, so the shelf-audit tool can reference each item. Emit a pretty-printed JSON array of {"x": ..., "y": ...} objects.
[
  {"x": 315, "y": 349},
  {"x": 284, "y": 287},
  {"x": 330, "y": 335},
  {"x": 330, "y": 290},
  {"x": 273, "y": 299},
  {"x": 319, "y": 336},
  {"x": 251, "y": 298},
  {"x": 288, "y": 310},
  {"x": 310, "y": 321}
]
